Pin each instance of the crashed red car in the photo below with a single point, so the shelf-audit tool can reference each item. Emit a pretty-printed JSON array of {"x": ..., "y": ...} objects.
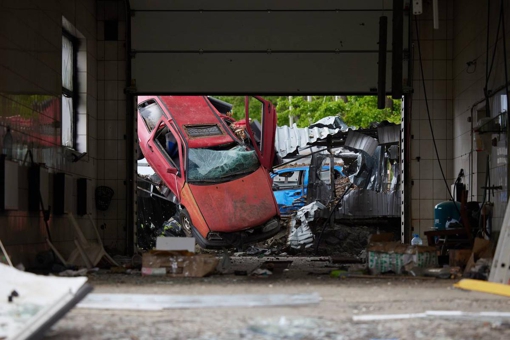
[{"x": 215, "y": 169}]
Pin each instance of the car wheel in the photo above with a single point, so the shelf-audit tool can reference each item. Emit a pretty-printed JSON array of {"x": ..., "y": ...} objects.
[{"x": 186, "y": 222}]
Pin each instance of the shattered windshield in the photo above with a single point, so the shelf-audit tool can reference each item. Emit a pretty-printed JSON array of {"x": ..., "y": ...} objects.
[{"x": 217, "y": 165}]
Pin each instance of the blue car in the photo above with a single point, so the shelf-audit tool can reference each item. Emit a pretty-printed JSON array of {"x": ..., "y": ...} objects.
[{"x": 290, "y": 186}]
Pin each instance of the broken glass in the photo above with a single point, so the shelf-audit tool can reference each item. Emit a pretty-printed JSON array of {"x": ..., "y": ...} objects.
[{"x": 212, "y": 165}]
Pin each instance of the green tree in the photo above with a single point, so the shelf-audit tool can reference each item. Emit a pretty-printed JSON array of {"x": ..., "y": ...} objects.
[{"x": 356, "y": 111}]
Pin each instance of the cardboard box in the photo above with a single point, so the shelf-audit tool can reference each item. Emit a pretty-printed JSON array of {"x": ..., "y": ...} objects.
[
  {"x": 178, "y": 263},
  {"x": 383, "y": 257},
  {"x": 176, "y": 243},
  {"x": 459, "y": 257}
]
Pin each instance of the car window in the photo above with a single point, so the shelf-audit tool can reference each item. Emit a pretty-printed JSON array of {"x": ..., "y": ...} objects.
[
  {"x": 168, "y": 146},
  {"x": 288, "y": 179},
  {"x": 151, "y": 113}
]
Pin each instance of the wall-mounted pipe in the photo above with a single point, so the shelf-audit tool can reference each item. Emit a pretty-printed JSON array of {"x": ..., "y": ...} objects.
[{"x": 381, "y": 81}]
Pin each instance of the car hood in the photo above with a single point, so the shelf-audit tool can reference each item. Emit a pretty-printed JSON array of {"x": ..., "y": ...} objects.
[{"x": 236, "y": 205}]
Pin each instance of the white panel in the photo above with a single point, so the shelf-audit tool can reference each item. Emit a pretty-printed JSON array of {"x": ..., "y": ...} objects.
[
  {"x": 256, "y": 73},
  {"x": 259, "y": 4},
  {"x": 240, "y": 31},
  {"x": 11, "y": 196}
]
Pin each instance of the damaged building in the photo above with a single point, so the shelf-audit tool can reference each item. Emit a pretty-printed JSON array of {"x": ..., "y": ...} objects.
[{"x": 421, "y": 201}]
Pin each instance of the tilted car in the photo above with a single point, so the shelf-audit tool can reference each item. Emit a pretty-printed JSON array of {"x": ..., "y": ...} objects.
[{"x": 216, "y": 170}]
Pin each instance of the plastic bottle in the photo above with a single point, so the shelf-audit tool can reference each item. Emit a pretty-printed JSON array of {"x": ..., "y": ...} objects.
[{"x": 416, "y": 241}]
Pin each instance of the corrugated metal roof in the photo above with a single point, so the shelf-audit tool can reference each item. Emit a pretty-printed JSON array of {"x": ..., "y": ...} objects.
[
  {"x": 359, "y": 141},
  {"x": 289, "y": 139}
]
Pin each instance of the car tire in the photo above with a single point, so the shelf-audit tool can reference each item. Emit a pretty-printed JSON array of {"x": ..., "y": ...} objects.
[{"x": 186, "y": 223}]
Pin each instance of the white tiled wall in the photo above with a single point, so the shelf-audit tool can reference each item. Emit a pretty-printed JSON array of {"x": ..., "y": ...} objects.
[
  {"x": 428, "y": 187},
  {"x": 470, "y": 39},
  {"x": 30, "y": 92},
  {"x": 453, "y": 89},
  {"x": 112, "y": 122}
]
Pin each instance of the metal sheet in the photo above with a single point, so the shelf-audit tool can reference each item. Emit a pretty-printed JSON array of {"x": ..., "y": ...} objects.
[
  {"x": 352, "y": 32},
  {"x": 161, "y": 302},
  {"x": 388, "y": 134},
  {"x": 289, "y": 139},
  {"x": 246, "y": 73},
  {"x": 260, "y": 5},
  {"x": 359, "y": 141},
  {"x": 370, "y": 204}
]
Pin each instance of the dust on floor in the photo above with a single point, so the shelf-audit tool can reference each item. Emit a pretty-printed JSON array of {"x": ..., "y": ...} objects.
[{"x": 331, "y": 319}]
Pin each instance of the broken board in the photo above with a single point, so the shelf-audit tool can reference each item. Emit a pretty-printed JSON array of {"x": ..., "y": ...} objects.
[{"x": 37, "y": 303}]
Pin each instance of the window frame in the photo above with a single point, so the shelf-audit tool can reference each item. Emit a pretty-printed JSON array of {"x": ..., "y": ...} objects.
[{"x": 74, "y": 93}]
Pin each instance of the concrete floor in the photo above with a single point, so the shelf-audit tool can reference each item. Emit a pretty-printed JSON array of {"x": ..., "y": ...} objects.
[{"x": 330, "y": 319}]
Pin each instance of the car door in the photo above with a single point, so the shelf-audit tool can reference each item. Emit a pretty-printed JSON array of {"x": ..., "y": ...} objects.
[
  {"x": 261, "y": 125},
  {"x": 166, "y": 156},
  {"x": 288, "y": 190}
]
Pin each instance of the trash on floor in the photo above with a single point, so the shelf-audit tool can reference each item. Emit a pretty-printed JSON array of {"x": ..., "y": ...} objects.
[
  {"x": 34, "y": 303},
  {"x": 290, "y": 328},
  {"x": 384, "y": 257},
  {"x": 300, "y": 235},
  {"x": 161, "y": 302},
  {"x": 479, "y": 264},
  {"x": 178, "y": 263},
  {"x": 261, "y": 273},
  {"x": 445, "y": 314}
]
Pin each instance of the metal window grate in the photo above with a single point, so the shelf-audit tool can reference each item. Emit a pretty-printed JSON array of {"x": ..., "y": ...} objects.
[{"x": 203, "y": 130}]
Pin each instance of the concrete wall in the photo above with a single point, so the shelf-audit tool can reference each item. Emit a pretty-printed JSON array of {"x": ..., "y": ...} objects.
[{"x": 30, "y": 95}]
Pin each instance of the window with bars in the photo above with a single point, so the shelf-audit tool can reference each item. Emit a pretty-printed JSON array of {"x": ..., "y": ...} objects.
[{"x": 69, "y": 89}]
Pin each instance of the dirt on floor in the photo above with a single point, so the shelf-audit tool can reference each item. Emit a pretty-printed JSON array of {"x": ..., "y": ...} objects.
[{"x": 332, "y": 318}]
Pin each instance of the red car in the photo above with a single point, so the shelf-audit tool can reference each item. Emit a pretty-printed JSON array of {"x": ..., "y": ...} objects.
[{"x": 215, "y": 169}]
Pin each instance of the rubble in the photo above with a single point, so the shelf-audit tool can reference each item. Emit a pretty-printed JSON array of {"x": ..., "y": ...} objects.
[{"x": 300, "y": 235}]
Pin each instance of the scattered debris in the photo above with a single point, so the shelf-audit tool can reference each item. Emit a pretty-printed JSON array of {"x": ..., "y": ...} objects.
[
  {"x": 155, "y": 302},
  {"x": 386, "y": 257},
  {"x": 178, "y": 263},
  {"x": 290, "y": 328},
  {"x": 481, "y": 316},
  {"x": 33, "y": 303},
  {"x": 73, "y": 273},
  {"x": 261, "y": 272},
  {"x": 300, "y": 235},
  {"x": 224, "y": 264}
]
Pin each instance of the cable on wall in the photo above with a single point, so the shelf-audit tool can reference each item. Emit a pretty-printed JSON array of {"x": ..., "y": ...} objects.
[{"x": 428, "y": 113}]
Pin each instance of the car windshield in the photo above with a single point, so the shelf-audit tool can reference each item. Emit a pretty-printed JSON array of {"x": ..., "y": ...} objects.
[{"x": 216, "y": 165}]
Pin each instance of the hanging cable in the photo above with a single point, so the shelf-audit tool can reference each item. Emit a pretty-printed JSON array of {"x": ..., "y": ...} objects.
[{"x": 428, "y": 115}]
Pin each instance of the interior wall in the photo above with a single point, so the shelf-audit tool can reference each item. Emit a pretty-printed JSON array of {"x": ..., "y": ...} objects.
[
  {"x": 470, "y": 44},
  {"x": 111, "y": 156},
  {"x": 30, "y": 97},
  {"x": 427, "y": 184}
]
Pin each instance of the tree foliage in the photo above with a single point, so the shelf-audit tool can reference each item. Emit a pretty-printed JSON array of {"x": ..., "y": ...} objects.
[{"x": 356, "y": 111}]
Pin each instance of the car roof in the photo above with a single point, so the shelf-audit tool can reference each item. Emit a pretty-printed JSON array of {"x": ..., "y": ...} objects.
[{"x": 189, "y": 111}]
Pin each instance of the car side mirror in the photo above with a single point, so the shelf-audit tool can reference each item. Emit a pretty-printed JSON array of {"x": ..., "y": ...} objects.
[{"x": 172, "y": 171}]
